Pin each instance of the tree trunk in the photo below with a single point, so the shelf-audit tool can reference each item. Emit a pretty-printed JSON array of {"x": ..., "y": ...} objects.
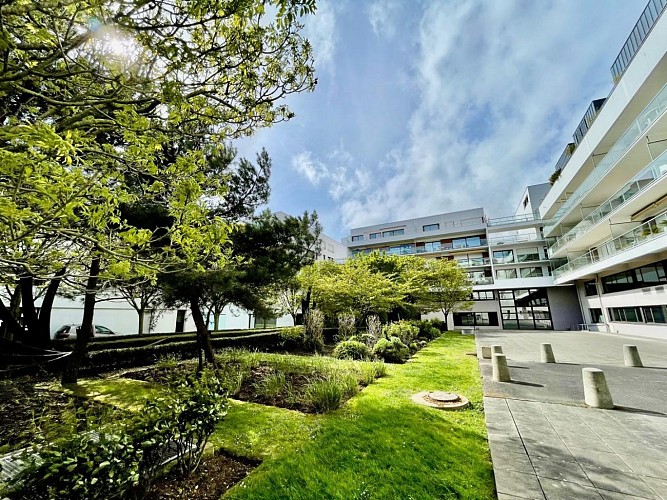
[
  {"x": 12, "y": 328},
  {"x": 29, "y": 313},
  {"x": 141, "y": 313},
  {"x": 71, "y": 372},
  {"x": 446, "y": 313},
  {"x": 202, "y": 331},
  {"x": 44, "y": 321},
  {"x": 305, "y": 304}
]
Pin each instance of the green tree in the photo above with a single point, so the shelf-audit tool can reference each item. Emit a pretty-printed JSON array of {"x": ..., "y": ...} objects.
[
  {"x": 95, "y": 96},
  {"x": 445, "y": 287}
]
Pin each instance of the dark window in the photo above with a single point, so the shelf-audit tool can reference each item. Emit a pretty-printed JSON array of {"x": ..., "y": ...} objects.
[
  {"x": 655, "y": 314},
  {"x": 374, "y": 236},
  {"x": 503, "y": 256},
  {"x": 590, "y": 289},
  {"x": 531, "y": 272},
  {"x": 180, "y": 320},
  {"x": 476, "y": 319},
  {"x": 526, "y": 308},
  {"x": 640, "y": 277},
  {"x": 596, "y": 315},
  {"x": 358, "y": 237},
  {"x": 265, "y": 322},
  {"x": 431, "y": 227},
  {"x": 525, "y": 202},
  {"x": 626, "y": 314},
  {"x": 393, "y": 232}
]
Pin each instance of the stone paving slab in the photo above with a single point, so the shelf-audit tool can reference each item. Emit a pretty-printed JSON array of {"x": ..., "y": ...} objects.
[{"x": 546, "y": 444}]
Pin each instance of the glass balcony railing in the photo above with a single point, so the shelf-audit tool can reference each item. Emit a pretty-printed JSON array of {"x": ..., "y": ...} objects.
[
  {"x": 474, "y": 262},
  {"x": 486, "y": 280},
  {"x": 647, "y": 231},
  {"x": 655, "y": 108},
  {"x": 651, "y": 13},
  {"x": 513, "y": 219},
  {"x": 642, "y": 181},
  {"x": 515, "y": 238}
]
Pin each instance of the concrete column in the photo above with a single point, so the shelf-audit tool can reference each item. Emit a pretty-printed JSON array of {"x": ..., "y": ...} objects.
[
  {"x": 547, "y": 353},
  {"x": 501, "y": 373},
  {"x": 631, "y": 356},
  {"x": 596, "y": 391},
  {"x": 486, "y": 352},
  {"x": 497, "y": 349}
]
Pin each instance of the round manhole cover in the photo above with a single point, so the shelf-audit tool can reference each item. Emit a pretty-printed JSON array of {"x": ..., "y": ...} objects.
[{"x": 444, "y": 397}]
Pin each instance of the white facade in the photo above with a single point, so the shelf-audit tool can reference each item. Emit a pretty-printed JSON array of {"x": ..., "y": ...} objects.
[
  {"x": 506, "y": 259},
  {"x": 606, "y": 216}
]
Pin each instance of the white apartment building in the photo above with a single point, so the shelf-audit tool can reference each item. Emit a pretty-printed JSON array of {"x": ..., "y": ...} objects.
[
  {"x": 506, "y": 260},
  {"x": 605, "y": 217}
]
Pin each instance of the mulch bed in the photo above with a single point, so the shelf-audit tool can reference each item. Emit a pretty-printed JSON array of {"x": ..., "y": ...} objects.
[
  {"x": 22, "y": 406},
  {"x": 215, "y": 475}
]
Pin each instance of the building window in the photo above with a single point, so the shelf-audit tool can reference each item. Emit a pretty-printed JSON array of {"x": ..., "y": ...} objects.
[
  {"x": 655, "y": 314},
  {"x": 432, "y": 246},
  {"x": 527, "y": 254},
  {"x": 374, "y": 236},
  {"x": 531, "y": 272},
  {"x": 525, "y": 202},
  {"x": 476, "y": 319},
  {"x": 525, "y": 309},
  {"x": 626, "y": 314},
  {"x": 590, "y": 289},
  {"x": 645, "y": 276},
  {"x": 596, "y": 315},
  {"x": 470, "y": 241},
  {"x": 505, "y": 274},
  {"x": 400, "y": 250},
  {"x": 393, "y": 232},
  {"x": 503, "y": 256},
  {"x": 358, "y": 238},
  {"x": 431, "y": 227},
  {"x": 483, "y": 295},
  {"x": 265, "y": 322}
]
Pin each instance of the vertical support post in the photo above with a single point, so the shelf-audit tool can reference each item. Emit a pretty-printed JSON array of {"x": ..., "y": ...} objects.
[
  {"x": 547, "y": 353},
  {"x": 596, "y": 391},
  {"x": 631, "y": 356},
  {"x": 501, "y": 373}
]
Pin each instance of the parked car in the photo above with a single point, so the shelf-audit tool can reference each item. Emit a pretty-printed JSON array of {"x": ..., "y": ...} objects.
[{"x": 70, "y": 331}]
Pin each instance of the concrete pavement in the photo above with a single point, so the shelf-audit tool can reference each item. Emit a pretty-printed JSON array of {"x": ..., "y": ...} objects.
[{"x": 545, "y": 443}]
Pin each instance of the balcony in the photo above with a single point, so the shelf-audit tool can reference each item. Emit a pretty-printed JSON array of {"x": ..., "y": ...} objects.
[
  {"x": 651, "y": 14},
  {"x": 513, "y": 219},
  {"x": 486, "y": 280},
  {"x": 565, "y": 157},
  {"x": 474, "y": 262},
  {"x": 643, "y": 233},
  {"x": 589, "y": 117},
  {"x": 638, "y": 184},
  {"x": 650, "y": 114}
]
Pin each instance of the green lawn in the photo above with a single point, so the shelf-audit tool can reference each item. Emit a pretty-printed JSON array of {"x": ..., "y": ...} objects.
[{"x": 378, "y": 445}]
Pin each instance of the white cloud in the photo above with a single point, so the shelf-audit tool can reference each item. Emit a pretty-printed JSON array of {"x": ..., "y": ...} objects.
[
  {"x": 321, "y": 31},
  {"x": 384, "y": 16}
]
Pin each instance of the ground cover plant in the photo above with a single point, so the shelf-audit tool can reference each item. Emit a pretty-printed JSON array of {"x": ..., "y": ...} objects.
[{"x": 311, "y": 384}]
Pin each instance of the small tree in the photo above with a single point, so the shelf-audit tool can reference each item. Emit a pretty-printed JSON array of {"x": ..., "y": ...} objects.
[{"x": 446, "y": 286}]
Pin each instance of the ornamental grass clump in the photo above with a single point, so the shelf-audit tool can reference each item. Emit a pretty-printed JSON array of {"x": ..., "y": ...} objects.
[
  {"x": 314, "y": 331},
  {"x": 346, "y": 326}
]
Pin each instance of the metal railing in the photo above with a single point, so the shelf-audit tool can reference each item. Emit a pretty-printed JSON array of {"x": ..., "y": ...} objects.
[
  {"x": 589, "y": 117},
  {"x": 474, "y": 262},
  {"x": 642, "y": 181},
  {"x": 565, "y": 156},
  {"x": 655, "y": 108},
  {"x": 647, "y": 231},
  {"x": 647, "y": 20}
]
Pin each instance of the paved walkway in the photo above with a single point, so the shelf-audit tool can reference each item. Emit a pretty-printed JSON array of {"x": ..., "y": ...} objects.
[{"x": 546, "y": 443}]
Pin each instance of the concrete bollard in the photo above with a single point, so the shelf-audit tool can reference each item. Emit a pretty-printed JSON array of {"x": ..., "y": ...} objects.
[
  {"x": 596, "y": 391},
  {"x": 631, "y": 356},
  {"x": 486, "y": 352},
  {"x": 501, "y": 373},
  {"x": 497, "y": 349},
  {"x": 547, "y": 353}
]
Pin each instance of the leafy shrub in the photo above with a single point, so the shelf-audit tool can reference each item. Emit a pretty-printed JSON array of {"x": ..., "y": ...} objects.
[
  {"x": 292, "y": 337},
  {"x": 82, "y": 466},
  {"x": 346, "y": 326},
  {"x": 351, "y": 349},
  {"x": 404, "y": 330},
  {"x": 391, "y": 350},
  {"x": 373, "y": 331},
  {"x": 313, "y": 328}
]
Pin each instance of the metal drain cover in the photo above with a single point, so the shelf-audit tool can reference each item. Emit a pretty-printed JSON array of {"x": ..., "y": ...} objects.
[{"x": 441, "y": 400}]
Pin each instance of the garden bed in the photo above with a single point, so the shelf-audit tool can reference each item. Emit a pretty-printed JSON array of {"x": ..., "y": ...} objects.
[
  {"x": 26, "y": 411},
  {"x": 215, "y": 475},
  {"x": 312, "y": 384}
]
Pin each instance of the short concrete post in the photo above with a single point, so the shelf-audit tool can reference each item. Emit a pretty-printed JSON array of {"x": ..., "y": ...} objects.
[
  {"x": 547, "y": 353},
  {"x": 596, "y": 391},
  {"x": 501, "y": 373},
  {"x": 631, "y": 356},
  {"x": 497, "y": 349},
  {"x": 486, "y": 352}
]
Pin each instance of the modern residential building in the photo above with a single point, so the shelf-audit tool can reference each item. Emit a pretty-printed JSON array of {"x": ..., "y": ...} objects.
[
  {"x": 506, "y": 260},
  {"x": 606, "y": 214}
]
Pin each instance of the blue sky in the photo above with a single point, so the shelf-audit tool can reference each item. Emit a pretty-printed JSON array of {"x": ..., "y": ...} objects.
[{"x": 425, "y": 107}]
